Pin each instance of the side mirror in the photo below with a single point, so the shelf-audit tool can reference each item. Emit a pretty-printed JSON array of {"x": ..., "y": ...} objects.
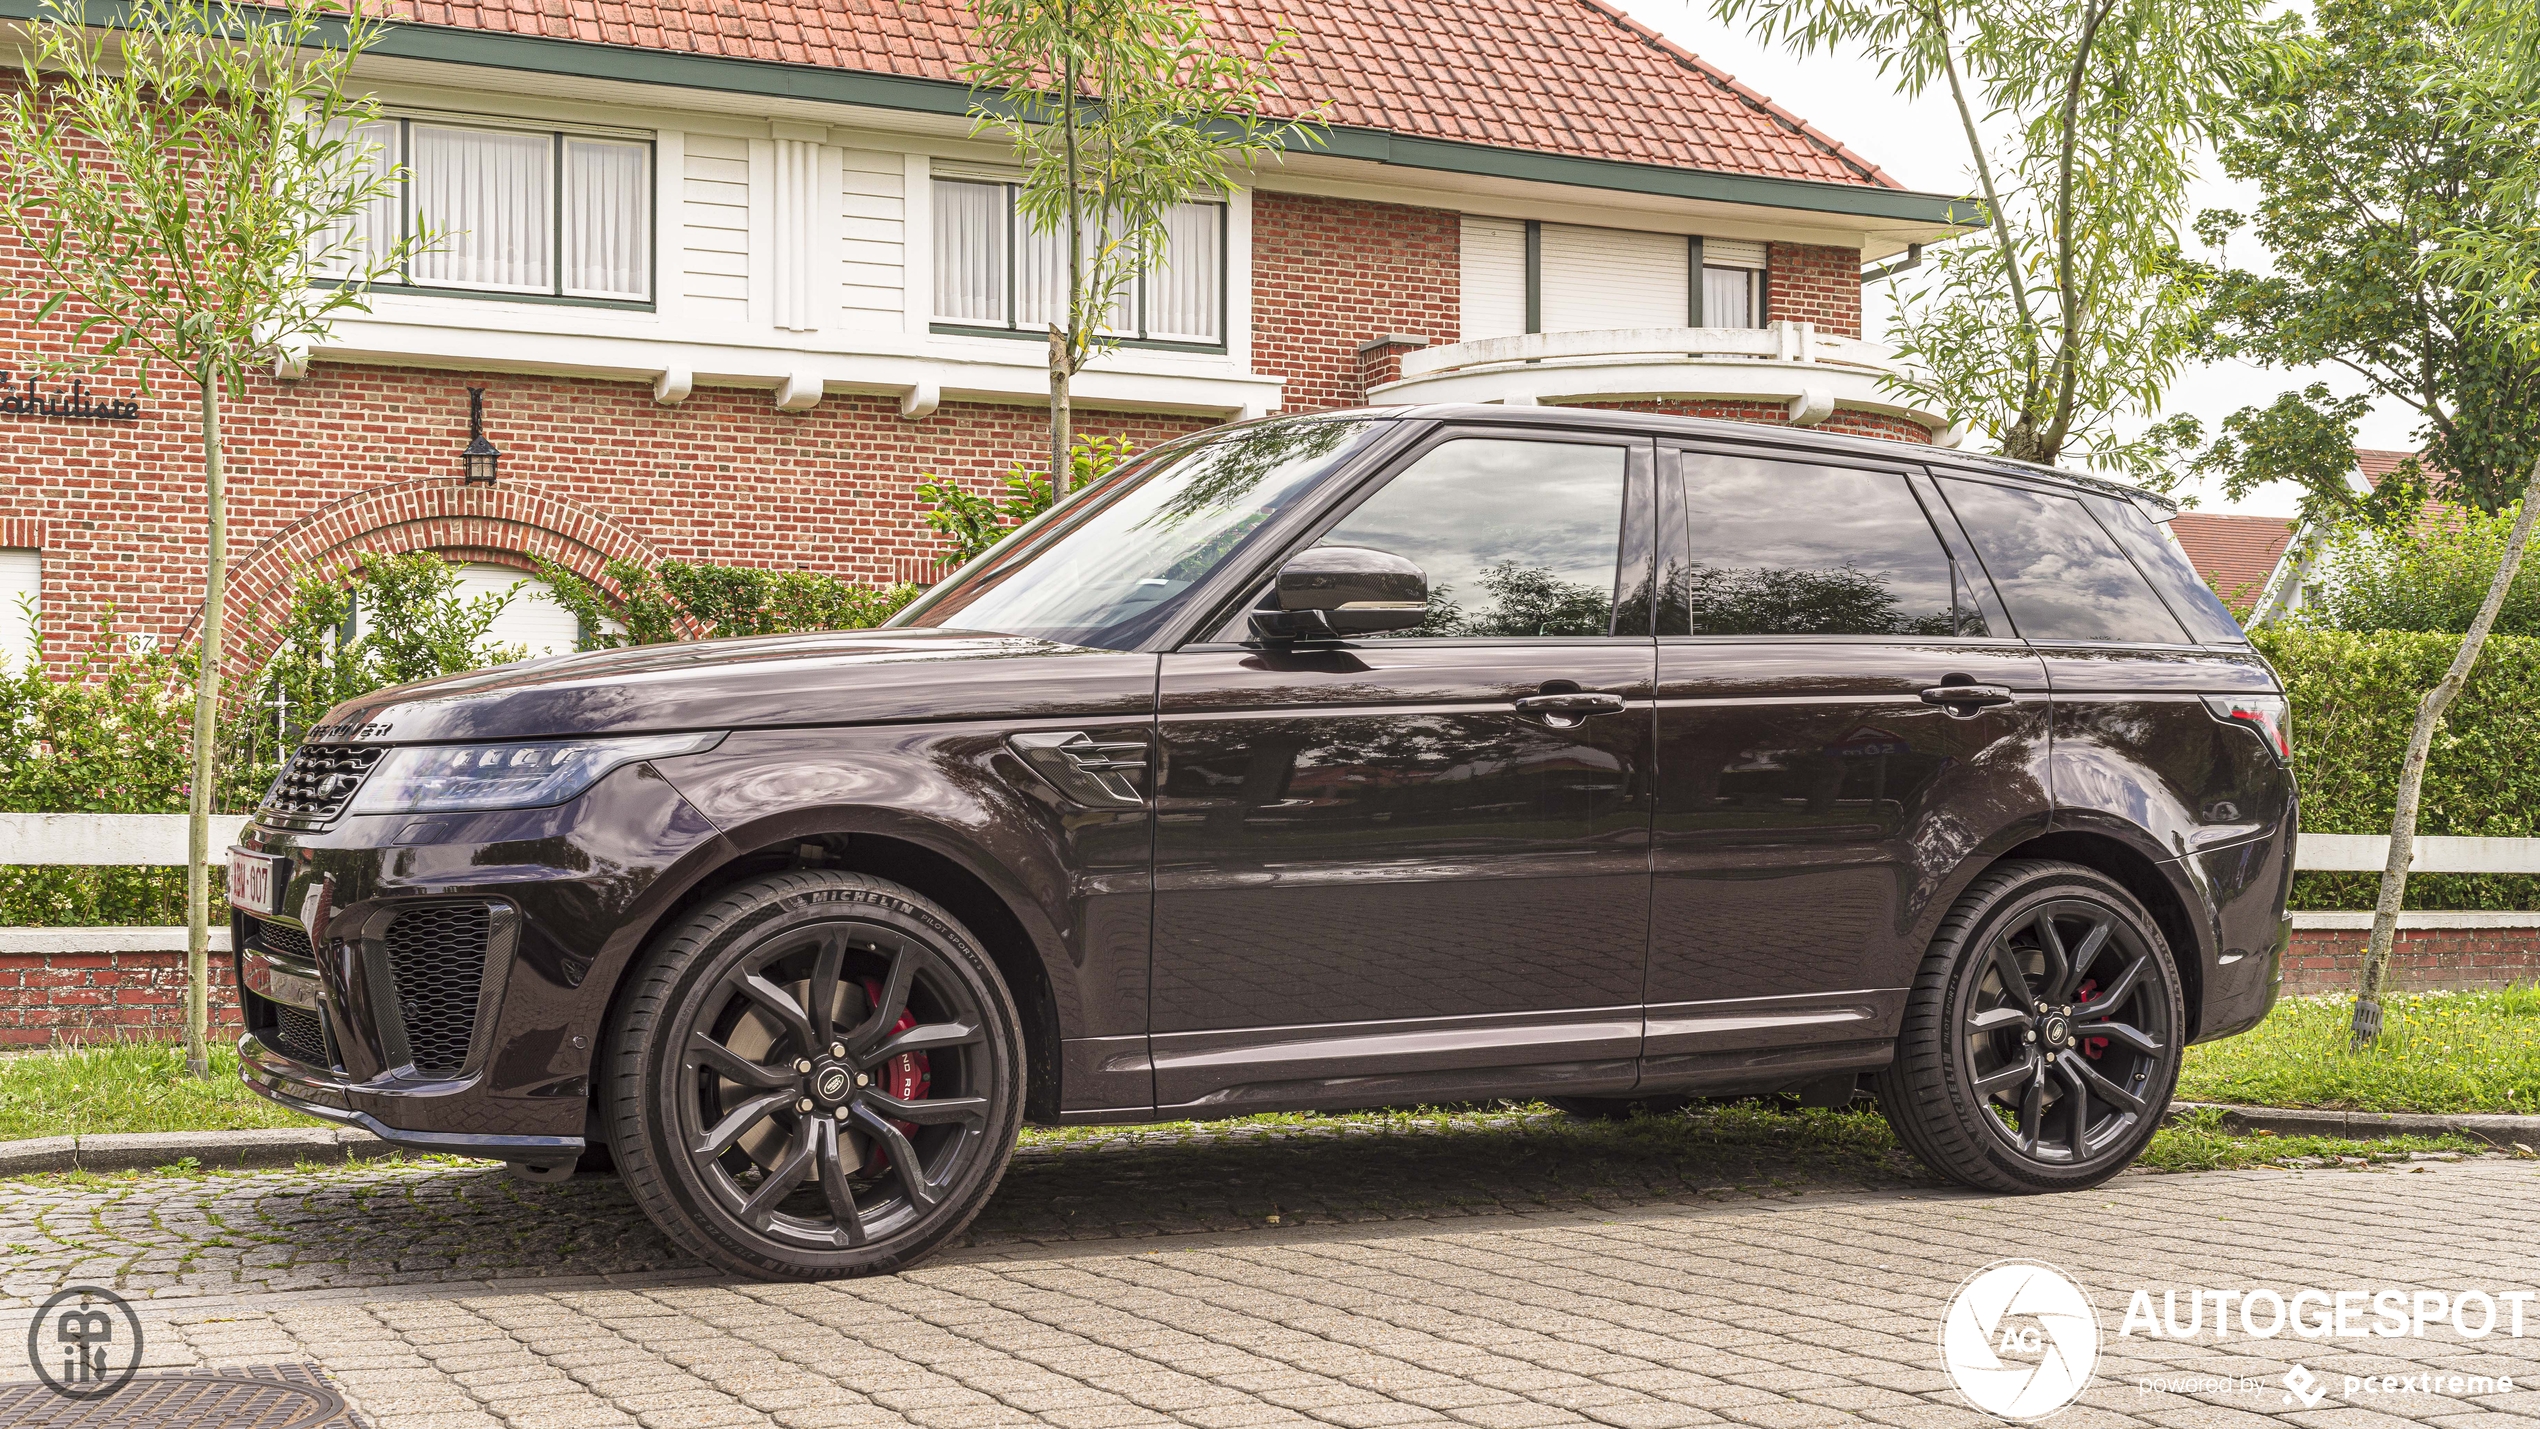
[{"x": 1333, "y": 591}]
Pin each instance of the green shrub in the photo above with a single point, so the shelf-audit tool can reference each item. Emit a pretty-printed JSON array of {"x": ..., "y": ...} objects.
[
  {"x": 651, "y": 605},
  {"x": 971, "y": 524},
  {"x": 2354, "y": 700},
  {"x": 2432, "y": 578}
]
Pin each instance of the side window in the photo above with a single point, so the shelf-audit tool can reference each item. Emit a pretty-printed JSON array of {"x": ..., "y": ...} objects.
[
  {"x": 1789, "y": 548},
  {"x": 2057, "y": 570},
  {"x": 2173, "y": 575},
  {"x": 1519, "y": 538}
]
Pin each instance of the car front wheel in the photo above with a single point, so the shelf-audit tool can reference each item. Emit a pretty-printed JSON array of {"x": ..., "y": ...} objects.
[
  {"x": 2042, "y": 1036},
  {"x": 818, "y": 1074}
]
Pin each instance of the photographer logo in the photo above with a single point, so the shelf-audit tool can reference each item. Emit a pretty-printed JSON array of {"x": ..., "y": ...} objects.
[
  {"x": 2020, "y": 1339},
  {"x": 85, "y": 1343}
]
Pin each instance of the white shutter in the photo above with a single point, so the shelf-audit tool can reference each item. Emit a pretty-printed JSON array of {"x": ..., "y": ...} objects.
[
  {"x": 21, "y": 590},
  {"x": 970, "y": 239},
  {"x": 486, "y": 199},
  {"x": 1613, "y": 278},
  {"x": 1732, "y": 253},
  {"x": 375, "y": 229},
  {"x": 532, "y": 620},
  {"x": 1183, "y": 291},
  {"x": 608, "y": 251},
  {"x": 1494, "y": 269}
]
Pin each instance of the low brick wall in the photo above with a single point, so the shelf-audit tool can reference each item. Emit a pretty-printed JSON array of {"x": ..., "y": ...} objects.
[
  {"x": 2422, "y": 960},
  {"x": 125, "y": 991}
]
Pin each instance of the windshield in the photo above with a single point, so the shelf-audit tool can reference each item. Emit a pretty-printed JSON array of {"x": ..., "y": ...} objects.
[{"x": 1108, "y": 568}]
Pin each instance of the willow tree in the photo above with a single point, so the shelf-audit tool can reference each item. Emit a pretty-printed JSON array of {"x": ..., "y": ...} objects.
[
  {"x": 2068, "y": 313},
  {"x": 1119, "y": 110},
  {"x": 189, "y": 188}
]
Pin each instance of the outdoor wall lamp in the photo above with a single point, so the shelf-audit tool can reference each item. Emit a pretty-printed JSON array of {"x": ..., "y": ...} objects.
[{"x": 480, "y": 456}]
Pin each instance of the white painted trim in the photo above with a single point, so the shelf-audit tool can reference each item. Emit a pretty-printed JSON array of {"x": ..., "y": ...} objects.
[
  {"x": 917, "y": 246},
  {"x": 107, "y": 840},
  {"x": 2349, "y": 922},
  {"x": 1238, "y": 277},
  {"x": 2368, "y": 853},
  {"x": 38, "y": 942},
  {"x": 763, "y": 235},
  {"x": 670, "y": 191}
]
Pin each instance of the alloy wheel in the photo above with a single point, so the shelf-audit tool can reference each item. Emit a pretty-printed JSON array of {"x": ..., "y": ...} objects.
[{"x": 2068, "y": 1032}]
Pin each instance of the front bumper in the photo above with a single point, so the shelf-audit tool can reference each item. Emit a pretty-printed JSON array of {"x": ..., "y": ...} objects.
[{"x": 442, "y": 981}]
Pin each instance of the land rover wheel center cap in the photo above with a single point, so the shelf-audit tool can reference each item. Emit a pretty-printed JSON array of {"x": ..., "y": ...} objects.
[
  {"x": 2057, "y": 1032},
  {"x": 832, "y": 1083}
]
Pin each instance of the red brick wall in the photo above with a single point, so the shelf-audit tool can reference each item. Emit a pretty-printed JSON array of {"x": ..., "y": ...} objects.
[
  {"x": 1847, "y": 420},
  {"x": 1328, "y": 274},
  {"x": 105, "y": 997},
  {"x": 2422, "y": 960},
  {"x": 1808, "y": 284}
]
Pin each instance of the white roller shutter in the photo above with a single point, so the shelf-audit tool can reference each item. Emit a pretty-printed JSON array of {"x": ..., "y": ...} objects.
[
  {"x": 532, "y": 620},
  {"x": 1494, "y": 264},
  {"x": 1613, "y": 278},
  {"x": 21, "y": 587}
]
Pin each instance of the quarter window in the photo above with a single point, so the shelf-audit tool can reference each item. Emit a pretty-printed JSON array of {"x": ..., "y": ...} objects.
[
  {"x": 1519, "y": 538},
  {"x": 536, "y": 212},
  {"x": 1787, "y": 548},
  {"x": 2061, "y": 576},
  {"x": 993, "y": 271}
]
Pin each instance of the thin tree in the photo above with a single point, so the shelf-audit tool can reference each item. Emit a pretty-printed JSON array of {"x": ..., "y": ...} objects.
[
  {"x": 1118, "y": 110},
  {"x": 191, "y": 187},
  {"x": 2069, "y": 312}
]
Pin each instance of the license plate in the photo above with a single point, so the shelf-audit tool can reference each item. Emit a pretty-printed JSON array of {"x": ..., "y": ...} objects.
[{"x": 255, "y": 881}]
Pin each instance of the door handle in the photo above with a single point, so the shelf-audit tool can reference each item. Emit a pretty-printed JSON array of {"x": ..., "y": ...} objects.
[
  {"x": 1571, "y": 709},
  {"x": 1099, "y": 776},
  {"x": 1966, "y": 699}
]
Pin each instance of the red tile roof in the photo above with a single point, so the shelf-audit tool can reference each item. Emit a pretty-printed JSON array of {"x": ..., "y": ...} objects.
[
  {"x": 1570, "y": 77},
  {"x": 2235, "y": 553}
]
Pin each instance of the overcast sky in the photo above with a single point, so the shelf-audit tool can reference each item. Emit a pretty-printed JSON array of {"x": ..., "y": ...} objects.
[{"x": 1920, "y": 143}]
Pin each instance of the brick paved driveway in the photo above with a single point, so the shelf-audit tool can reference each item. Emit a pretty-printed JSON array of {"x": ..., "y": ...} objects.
[{"x": 1553, "y": 1295}]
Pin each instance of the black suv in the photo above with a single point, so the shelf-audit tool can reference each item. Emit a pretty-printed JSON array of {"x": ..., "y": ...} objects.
[{"x": 1415, "y": 755}]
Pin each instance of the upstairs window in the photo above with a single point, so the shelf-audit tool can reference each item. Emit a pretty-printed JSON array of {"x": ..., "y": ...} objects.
[
  {"x": 994, "y": 273},
  {"x": 541, "y": 213}
]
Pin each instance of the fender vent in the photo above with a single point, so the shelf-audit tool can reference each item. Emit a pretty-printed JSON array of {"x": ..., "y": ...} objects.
[{"x": 436, "y": 956}]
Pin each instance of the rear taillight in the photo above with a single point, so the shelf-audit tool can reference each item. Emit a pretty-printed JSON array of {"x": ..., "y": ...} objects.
[{"x": 2267, "y": 716}]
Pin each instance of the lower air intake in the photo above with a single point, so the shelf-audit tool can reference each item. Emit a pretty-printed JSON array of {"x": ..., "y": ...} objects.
[
  {"x": 298, "y": 1035},
  {"x": 436, "y": 956}
]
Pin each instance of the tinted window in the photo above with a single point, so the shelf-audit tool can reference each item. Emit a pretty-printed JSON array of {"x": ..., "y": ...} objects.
[
  {"x": 2057, "y": 570},
  {"x": 2173, "y": 575},
  {"x": 1518, "y": 538},
  {"x": 1785, "y": 548}
]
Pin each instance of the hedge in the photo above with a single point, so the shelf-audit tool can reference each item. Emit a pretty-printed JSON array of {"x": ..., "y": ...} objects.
[{"x": 2354, "y": 700}]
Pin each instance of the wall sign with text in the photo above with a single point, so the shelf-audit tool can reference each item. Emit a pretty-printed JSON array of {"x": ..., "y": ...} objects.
[{"x": 23, "y": 398}]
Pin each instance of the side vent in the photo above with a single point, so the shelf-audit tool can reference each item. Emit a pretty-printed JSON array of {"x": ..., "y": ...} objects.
[{"x": 436, "y": 958}]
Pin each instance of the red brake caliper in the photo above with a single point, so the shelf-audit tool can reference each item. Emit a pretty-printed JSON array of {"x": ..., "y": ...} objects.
[
  {"x": 906, "y": 1079},
  {"x": 2092, "y": 1047}
]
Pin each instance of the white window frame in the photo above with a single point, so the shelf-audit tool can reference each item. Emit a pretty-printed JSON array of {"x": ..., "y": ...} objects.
[
  {"x": 1136, "y": 335},
  {"x": 558, "y": 218}
]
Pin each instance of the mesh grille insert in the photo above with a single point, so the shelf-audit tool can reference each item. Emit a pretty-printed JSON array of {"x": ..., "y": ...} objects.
[
  {"x": 437, "y": 957},
  {"x": 298, "y": 1035},
  {"x": 282, "y": 938},
  {"x": 318, "y": 781}
]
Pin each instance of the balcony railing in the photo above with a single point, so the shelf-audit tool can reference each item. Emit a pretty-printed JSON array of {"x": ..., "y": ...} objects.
[{"x": 1789, "y": 363}]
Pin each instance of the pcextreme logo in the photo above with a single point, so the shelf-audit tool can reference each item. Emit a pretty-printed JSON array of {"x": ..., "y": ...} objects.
[{"x": 2020, "y": 1339}]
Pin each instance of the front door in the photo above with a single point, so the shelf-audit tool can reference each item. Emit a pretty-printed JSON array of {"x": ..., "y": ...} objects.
[
  {"x": 1819, "y": 779},
  {"x": 1408, "y": 867}
]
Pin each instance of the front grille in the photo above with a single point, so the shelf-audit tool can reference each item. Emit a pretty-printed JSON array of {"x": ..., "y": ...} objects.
[
  {"x": 317, "y": 781},
  {"x": 283, "y": 939},
  {"x": 436, "y": 956},
  {"x": 298, "y": 1035}
]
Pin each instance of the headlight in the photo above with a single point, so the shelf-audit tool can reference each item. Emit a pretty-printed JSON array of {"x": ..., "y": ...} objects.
[{"x": 458, "y": 778}]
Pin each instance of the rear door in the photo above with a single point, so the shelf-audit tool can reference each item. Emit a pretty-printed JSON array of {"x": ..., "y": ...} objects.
[
  {"x": 1380, "y": 873},
  {"x": 1819, "y": 781}
]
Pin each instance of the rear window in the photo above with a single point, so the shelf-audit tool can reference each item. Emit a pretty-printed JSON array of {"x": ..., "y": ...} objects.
[
  {"x": 1791, "y": 548},
  {"x": 2059, "y": 573},
  {"x": 2173, "y": 575}
]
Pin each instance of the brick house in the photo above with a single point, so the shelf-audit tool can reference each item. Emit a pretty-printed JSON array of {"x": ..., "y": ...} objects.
[{"x": 734, "y": 278}]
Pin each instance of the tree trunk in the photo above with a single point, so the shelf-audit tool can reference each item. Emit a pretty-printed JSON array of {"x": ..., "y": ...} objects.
[
  {"x": 2366, "y": 1029},
  {"x": 1062, "y": 415},
  {"x": 198, "y": 831}
]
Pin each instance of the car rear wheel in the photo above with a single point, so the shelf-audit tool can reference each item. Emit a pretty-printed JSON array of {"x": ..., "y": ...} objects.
[
  {"x": 2042, "y": 1035},
  {"x": 818, "y": 1074}
]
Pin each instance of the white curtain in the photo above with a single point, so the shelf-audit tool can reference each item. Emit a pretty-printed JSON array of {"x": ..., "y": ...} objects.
[
  {"x": 1040, "y": 280},
  {"x": 607, "y": 220},
  {"x": 21, "y": 593},
  {"x": 375, "y": 228},
  {"x": 486, "y": 198},
  {"x": 1183, "y": 290},
  {"x": 970, "y": 238},
  {"x": 1728, "y": 297}
]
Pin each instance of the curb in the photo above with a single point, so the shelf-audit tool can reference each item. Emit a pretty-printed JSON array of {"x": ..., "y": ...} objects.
[
  {"x": 223, "y": 1150},
  {"x": 2501, "y": 1129}
]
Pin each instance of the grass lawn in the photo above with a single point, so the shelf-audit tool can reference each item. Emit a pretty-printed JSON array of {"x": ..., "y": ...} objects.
[
  {"x": 127, "y": 1086},
  {"x": 2439, "y": 1052}
]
